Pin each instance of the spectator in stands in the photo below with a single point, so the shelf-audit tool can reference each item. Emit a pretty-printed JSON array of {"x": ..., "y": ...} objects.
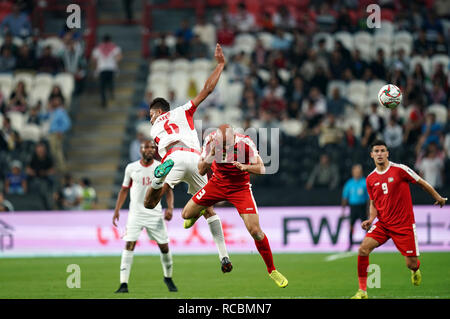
[
  {"x": 89, "y": 196},
  {"x": 283, "y": 19},
  {"x": 237, "y": 68},
  {"x": 337, "y": 103},
  {"x": 225, "y": 36},
  {"x": 329, "y": 132},
  {"x": 431, "y": 132},
  {"x": 135, "y": 146},
  {"x": 398, "y": 76},
  {"x": 318, "y": 102},
  {"x": 421, "y": 45},
  {"x": 249, "y": 103},
  {"x": 413, "y": 125},
  {"x": 368, "y": 135},
  {"x": 358, "y": 65},
  {"x": 9, "y": 44},
  {"x": 378, "y": 66},
  {"x": 18, "y": 98},
  {"x": 7, "y": 135},
  {"x": 40, "y": 171},
  {"x": 242, "y": 20},
  {"x": 431, "y": 166},
  {"x": 336, "y": 65},
  {"x": 311, "y": 64},
  {"x": 162, "y": 50},
  {"x": 437, "y": 94},
  {"x": 75, "y": 63},
  {"x": 5, "y": 205},
  {"x": 432, "y": 25},
  {"x": 56, "y": 92},
  {"x": 47, "y": 63},
  {"x": 181, "y": 47},
  {"x": 34, "y": 114},
  {"x": 293, "y": 109},
  {"x": 198, "y": 48},
  {"x": 107, "y": 56},
  {"x": 274, "y": 88},
  {"x": 273, "y": 104},
  {"x": 259, "y": 54},
  {"x": 393, "y": 134},
  {"x": 326, "y": 17},
  {"x": 350, "y": 140},
  {"x": 128, "y": 6},
  {"x": 266, "y": 22},
  {"x": 375, "y": 120},
  {"x": 296, "y": 91},
  {"x": 16, "y": 180},
  {"x": 72, "y": 193},
  {"x": 142, "y": 116},
  {"x": 344, "y": 21},
  {"x": 320, "y": 79},
  {"x": 60, "y": 123},
  {"x": 441, "y": 46},
  {"x": 280, "y": 41},
  {"x": 185, "y": 31},
  {"x": 17, "y": 23},
  {"x": 206, "y": 32},
  {"x": 324, "y": 175},
  {"x": 439, "y": 76},
  {"x": 26, "y": 60},
  {"x": 7, "y": 61}
]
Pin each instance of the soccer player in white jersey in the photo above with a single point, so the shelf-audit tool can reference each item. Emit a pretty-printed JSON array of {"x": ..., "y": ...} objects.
[
  {"x": 179, "y": 148},
  {"x": 138, "y": 177}
]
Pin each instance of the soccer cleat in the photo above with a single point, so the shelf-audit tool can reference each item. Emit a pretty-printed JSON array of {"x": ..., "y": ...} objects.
[
  {"x": 360, "y": 294},
  {"x": 416, "y": 277},
  {"x": 188, "y": 223},
  {"x": 226, "y": 265},
  {"x": 279, "y": 279},
  {"x": 164, "y": 168},
  {"x": 123, "y": 288},
  {"x": 169, "y": 283}
]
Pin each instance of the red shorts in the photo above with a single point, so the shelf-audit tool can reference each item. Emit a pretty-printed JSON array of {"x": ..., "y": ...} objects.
[
  {"x": 404, "y": 237},
  {"x": 241, "y": 198}
]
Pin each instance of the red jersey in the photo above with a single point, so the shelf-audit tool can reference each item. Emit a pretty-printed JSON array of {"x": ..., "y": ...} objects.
[
  {"x": 224, "y": 172},
  {"x": 391, "y": 195}
]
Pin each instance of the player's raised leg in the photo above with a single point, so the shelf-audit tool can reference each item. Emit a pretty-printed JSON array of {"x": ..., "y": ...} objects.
[
  {"x": 125, "y": 266},
  {"x": 364, "y": 251},
  {"x": 262, "y": 244},
  {"x": 154, "y": 194}
]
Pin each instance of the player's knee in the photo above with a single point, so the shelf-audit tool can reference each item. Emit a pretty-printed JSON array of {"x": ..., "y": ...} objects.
[
  {"x": 130, "y": 245},
  {"x": 164, "y": 248},
  {"x": 363, "y": 251},
  {"x": 256, "y": 232}
]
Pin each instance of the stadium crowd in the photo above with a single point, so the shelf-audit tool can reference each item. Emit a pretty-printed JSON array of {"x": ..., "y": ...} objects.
[
  {"x": 37, "y": 79},
  {"x": 315, "y": 72}
]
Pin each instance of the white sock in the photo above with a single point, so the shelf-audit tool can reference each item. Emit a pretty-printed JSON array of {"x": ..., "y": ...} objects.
[
  {"x": 125, "y": 265},
  {"x": 215, "y": 226},
  {"x": 157, "y": 183},
  {"x": 166, "y": 261}
]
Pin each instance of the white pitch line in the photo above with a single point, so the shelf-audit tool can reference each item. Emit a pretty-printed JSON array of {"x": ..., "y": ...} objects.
[{"x": 340, "y": 256}]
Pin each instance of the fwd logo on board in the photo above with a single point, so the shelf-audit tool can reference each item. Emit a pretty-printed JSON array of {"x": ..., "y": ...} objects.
[{"x": 200, "y": 194}]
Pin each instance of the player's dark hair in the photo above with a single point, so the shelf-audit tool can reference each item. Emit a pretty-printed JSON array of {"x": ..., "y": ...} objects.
[
  {"x": 160, "y": 103},
  {"x": 377, "y": 143}
]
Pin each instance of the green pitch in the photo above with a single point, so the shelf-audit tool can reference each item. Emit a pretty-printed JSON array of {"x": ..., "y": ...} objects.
[{"x": 199, "y": 276}]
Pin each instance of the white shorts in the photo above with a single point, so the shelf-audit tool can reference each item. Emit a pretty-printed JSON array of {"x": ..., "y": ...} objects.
[
  {"x": 154, "y": 225},
  {"x": 185, "y": 169}
]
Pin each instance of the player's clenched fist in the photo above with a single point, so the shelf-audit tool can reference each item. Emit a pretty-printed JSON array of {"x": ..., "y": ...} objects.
[
  {"x": 218, "y": 54},
  {"x": 441, "y": 201},
  {"x": 366, "y": 224}
]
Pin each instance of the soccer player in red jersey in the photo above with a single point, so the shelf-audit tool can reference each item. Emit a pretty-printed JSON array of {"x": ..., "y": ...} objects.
[
  {"x": 391, "y": 203},
  {"x": 232, "y": 157}
]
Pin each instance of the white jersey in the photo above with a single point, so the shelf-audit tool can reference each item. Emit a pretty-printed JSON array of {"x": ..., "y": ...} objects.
[
  {"x": 138, "y": 179},
  {"x": 176, "y": 126}
]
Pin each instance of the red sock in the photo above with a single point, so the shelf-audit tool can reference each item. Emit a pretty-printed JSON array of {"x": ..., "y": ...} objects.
[
  {"x": 265, "y": 252},
  {"x": 363, "y": 263}
]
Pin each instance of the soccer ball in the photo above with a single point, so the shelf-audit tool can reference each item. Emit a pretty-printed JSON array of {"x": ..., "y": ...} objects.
[{"x": 390, "y": 96}]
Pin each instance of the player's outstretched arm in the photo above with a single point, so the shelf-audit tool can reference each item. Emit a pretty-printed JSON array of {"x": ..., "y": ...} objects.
[
  {"x": 430, "y": 190},
  {"x": 121, "y": 197},
  {"x": 211, "y": 83}
]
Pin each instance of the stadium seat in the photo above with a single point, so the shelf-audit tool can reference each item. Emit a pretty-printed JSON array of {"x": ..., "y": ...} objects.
[
  {"x": 440, "y": 111},
  {"x": 56, "y": 44},
  {"x": 359, "y": 100},
  {"x": 339, "y": 84},
  {"x": 234, "y": 94},
  {"x": 179, "y": 82},
  {"x": 43, "y": 79},
  {"x": 357, "y": 87},
  {"x": 292, "y": 127},
  {"x": 329, "y": 40},
  {"x": 1, "y": 121},
  {"x": 403, "y": 37},
  {"x": 266, "y": 38},
  {"x": 242, "y": 47},
  {"x": 373, "y": 88},
  {"x": 26, "y": 78},
  {"x": 159, "y": 90},
  {"x": 201, "y": 65},
  {"x": 284, "y": 74},
  {"x": 363, "y": 42},
  {"x": 246, "y": 39},
  {"x": 40, "y": 93},
  {"x": 158, "y": 77},
  {"x": 403, "y": 45},
  {"x": 160, "y": 65},
  {"x": 439, "y": 59},
  {"x": 30, "y": 132},
  {"x": 345, "y": 38},
  {"x": 200, "y": 77},
  {"x": 6, "y": 84},
  {"x": 386, "y": 27},
  {"x": 382, "y": 38},
  {"x": 17, "y": 41},
  {"x": 264, "y": 74},
  {"x": 17, "y": 120},
  {"x": 144, "y": 128},
  {"x": 387, "y": 49},
  {"x": 181, "y": 65}
]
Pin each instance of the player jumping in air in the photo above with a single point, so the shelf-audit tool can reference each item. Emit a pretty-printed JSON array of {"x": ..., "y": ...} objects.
[
  {"x": 178, "y": 145},
  {"x": 138, "y": 176},
  {"x": 232, "y": 158},
  {"x": 390, "y": 202}
]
